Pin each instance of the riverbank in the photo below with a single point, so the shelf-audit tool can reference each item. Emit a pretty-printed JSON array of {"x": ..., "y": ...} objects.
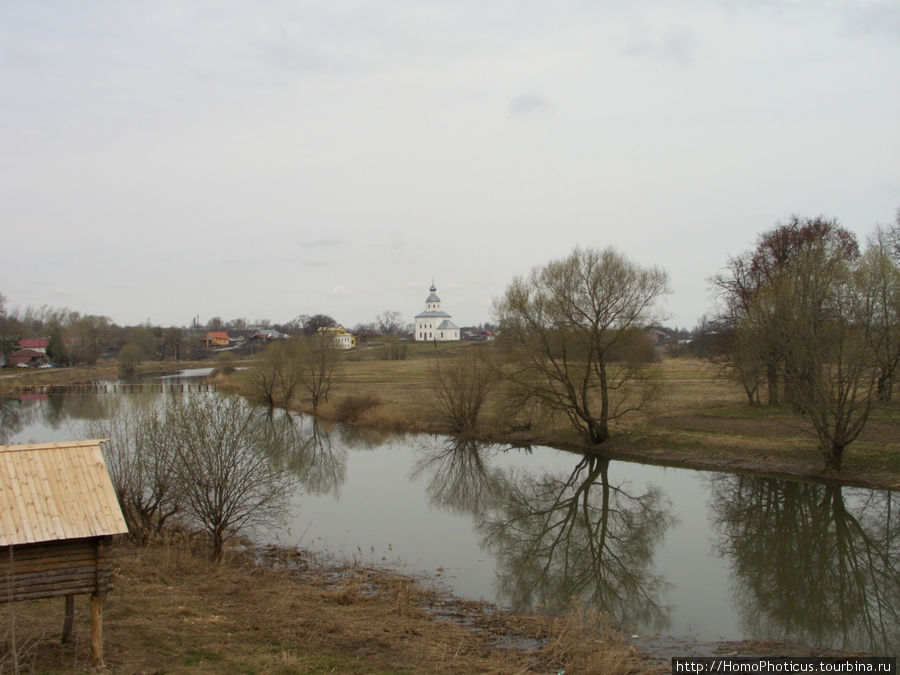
[
  {"x": 13, "y": 379},
  {"x": 172, "y": 610},
  {"x": 700, "y": 420}
]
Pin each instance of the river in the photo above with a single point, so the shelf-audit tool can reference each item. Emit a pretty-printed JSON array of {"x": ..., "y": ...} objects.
[{"x": 695, "y": 555}]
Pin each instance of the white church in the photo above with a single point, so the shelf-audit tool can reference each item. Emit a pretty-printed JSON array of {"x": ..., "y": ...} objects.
[{"x": 434, "y": 324}]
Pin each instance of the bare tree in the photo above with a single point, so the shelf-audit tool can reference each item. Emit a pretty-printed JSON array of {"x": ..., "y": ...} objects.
[
  {"x": 87, "y": 337},
  {"x": 225, "y": 465},
  {"x": 566, "y": 326},
  {"x": 389, "y": 323},
  {"x": 317, "y": 359},
  {"x": 140, "y": 456},
  {"x": 461, "y": 384},
  {"x": 312, "y": 324},
  {"x": 276, "y": 374}
]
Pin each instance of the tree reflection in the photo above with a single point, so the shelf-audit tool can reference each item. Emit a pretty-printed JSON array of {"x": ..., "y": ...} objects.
[
  {"x": 308, "y": 452},
  {"x": 812, "y": 563},
  {"x": 59, "y": 409},
  {"x": 11, "y": 420},
  {"x": 562, "y": 537},
  {"x": 462, "y": 479}
]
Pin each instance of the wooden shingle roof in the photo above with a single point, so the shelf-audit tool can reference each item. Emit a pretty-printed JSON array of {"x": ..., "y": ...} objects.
[{"x": 53, "y": 491}]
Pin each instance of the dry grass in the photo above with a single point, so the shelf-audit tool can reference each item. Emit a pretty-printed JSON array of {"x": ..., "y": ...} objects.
[{"x": 174, "y": 611}]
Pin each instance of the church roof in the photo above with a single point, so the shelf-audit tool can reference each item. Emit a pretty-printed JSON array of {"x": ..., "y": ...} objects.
[
  {"x": 433, "y": 298},
  {"x": 432, "y": 314},
  {"x": 446, "y": 324}
]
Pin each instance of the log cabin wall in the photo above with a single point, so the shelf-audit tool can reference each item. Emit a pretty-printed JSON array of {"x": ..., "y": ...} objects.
[{"x": 55, "y": 568}]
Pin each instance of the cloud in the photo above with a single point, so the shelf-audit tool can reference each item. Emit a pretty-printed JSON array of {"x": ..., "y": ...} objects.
[
  {"x": 674, "y": 46},
  {"x": 873, "y": 19},
  {"x": 530, "y": 105},
  {"x": 339, "y": 290},
  {"x": 325, "y": 242},
  {"x": 315, "y": 263}
]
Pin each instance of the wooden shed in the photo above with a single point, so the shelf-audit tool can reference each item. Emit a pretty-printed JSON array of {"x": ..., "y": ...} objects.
[{"x": 58, "y": 513}]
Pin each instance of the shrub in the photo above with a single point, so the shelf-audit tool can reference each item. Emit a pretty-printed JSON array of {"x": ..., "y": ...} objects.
[{"x": 352, "y": 408}]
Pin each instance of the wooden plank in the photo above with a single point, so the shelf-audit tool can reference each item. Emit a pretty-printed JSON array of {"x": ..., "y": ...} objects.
[
  {"x": 50, "y": 577},
  {"x": 85, "y": 589},
  {"x": 69, "y": 619},
  {"x": 43, "y": 565},
  {"x": 44, "y": 446}
]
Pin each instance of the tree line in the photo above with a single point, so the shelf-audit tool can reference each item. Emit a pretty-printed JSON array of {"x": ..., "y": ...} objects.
[
  {"x": 807, "y": 317},
  {"x": 83, "y": 339}
]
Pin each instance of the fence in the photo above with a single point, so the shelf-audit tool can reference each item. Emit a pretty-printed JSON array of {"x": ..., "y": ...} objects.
[{"x": 106, "y": 388}]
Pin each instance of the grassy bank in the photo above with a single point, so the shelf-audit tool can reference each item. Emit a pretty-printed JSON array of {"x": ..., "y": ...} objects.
[
  {"x": 700, "y": 420},
  {"x": 174, "y": 611}
]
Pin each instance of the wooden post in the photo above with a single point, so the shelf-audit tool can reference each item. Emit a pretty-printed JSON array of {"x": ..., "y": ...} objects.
[
  {"x": 70, "y": 617},
  {"x": 96, "y": 630},
  {"x": 97, "y": 603}
]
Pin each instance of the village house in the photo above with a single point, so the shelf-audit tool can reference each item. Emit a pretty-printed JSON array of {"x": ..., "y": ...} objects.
[
  {"x": 342, "y": 339},
  {"x": 268, "y": 334},
  {"x": 216, "y": 339},
  {"x": 35, "y": 344}
]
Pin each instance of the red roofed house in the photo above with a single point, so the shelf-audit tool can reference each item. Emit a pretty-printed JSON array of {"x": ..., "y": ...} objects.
[
  {"x": 35, "y": 344},
  {"x": 215, "y": 339}
]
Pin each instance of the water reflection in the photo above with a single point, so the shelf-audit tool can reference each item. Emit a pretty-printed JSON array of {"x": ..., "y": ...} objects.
[
  {"x": 12, "y": 419},
  {"x": 559, "y": 537},
  {"x": 811, "y": 563},
  {"x": 307, "y": 450},
  {"x": 461, "y": 478},
  {"x": 50, "y": 412}
]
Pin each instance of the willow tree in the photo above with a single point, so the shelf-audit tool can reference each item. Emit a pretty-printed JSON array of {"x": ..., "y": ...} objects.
[
  {"x": 829, "y": 366},
  {"x": 573, "y": 330},
  {"x": 881, "y": 279},
  {"x": 759, "y": 318},
  {"x": 821, "y": 319}
]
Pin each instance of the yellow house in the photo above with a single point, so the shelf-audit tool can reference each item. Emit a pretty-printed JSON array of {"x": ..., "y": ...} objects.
[
  {"x": 216, "y": 339},
  {"x": 342, "y": 339}
]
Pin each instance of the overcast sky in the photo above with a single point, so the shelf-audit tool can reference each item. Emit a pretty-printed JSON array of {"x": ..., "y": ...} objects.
[{"x": 167, "y": 159}]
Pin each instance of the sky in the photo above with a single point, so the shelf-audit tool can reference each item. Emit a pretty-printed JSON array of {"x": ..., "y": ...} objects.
[{"x": 166, "y": 160}]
